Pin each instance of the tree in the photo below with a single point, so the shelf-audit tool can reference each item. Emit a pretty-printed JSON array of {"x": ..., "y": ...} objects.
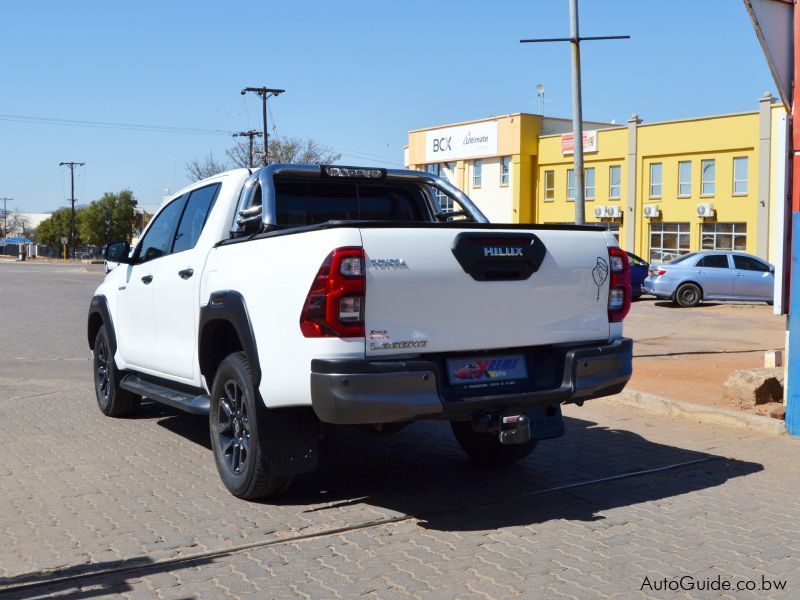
[
  {"x": 51, "y": 230},
  {"x": 111, "y": 218},
  {"x": 283, "y": 149},
  {"x": 207, "y": 167}
]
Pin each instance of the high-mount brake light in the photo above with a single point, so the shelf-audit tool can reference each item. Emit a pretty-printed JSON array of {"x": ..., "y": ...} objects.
[
  {"x": 358, "y": 172},
  {"x": 334, "y": 306},
  {"x": 619, "y": 288}
]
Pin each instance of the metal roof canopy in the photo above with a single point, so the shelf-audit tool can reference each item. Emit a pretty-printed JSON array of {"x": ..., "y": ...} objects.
[{"x": 773, "y": 21}]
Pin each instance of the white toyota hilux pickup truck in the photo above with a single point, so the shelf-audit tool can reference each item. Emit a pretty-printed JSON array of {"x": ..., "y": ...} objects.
[{"x": 282, "y": 300}]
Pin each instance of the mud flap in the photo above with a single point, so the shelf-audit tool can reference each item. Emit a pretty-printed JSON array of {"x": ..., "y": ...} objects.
[
  {"x": 289, "y": 439},
  {"x": 544, "y": 427}
]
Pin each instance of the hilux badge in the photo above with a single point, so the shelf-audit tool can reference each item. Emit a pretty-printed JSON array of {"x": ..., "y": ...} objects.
[{"x": 501, "y": 251}]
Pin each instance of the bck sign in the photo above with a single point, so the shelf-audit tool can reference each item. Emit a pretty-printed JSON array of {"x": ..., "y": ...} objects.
[
  {"x": 464, "y": 141},
  {"x": 442, "y": 144}
]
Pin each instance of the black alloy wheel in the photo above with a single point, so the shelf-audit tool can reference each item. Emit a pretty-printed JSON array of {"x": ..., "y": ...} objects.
[
  {"x": 234, "y": 428},
  {"x": 111, "y": 398}
]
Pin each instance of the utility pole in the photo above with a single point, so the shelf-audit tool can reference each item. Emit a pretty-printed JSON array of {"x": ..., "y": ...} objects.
[
  {"x": 250, "y": 134},
  {"x": 577, "y": 106},
  {"x": 5, "y": 219},
  {"x": 264, "y": 93},
  {"x": 72, "y": 166}
]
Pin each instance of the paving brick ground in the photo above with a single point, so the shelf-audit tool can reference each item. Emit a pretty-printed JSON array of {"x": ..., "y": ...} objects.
[{"x": 406, "y": 516}]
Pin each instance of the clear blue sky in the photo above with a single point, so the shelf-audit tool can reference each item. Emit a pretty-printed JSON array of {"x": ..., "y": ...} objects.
[{"x": 358, "y": 76}]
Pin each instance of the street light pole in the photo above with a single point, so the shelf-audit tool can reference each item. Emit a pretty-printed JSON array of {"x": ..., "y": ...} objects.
[
  {"x": 72, "y": 166},
  {"x": 5, "y": 219},
  {"x": 264, "y": 93},
  {"x": 577, "y": 106}
]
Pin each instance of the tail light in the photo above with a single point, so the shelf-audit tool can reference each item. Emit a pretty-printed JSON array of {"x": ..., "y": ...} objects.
[
  {"x": 334, "y": 306},
  {"x": 659, "y": 272},
  {"x": 619, "y": 289}
]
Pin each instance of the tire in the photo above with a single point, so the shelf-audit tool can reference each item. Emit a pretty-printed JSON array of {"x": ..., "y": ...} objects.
[
  {"x": 485, "y": 448},
  {"x": 234, "y": 433},
  {"x": 688, "y": 295},
  {"x": 112, "y": 399}
]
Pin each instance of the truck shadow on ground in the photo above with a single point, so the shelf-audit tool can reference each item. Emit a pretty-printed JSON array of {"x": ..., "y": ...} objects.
[{"x": 422, "y": 472}]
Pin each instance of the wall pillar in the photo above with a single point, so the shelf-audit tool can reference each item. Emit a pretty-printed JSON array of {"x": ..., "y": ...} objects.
[
  {"x": 632, "y": 215},
  {"x": 764, "y": 152},
  {"x": 523, "y": 189}
]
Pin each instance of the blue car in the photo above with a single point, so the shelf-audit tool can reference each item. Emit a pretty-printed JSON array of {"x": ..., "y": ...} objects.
[
  {"x": 639, "y": 270},
  {"x": 712, "y": 275}
]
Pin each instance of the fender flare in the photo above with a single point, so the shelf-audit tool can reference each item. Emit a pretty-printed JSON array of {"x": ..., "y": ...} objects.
[
  {"x": 228, "y": 305},
  {"x": 99, "y": 306}
]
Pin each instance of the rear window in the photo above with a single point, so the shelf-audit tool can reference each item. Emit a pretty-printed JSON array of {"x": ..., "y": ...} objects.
[
  {"x": 308, "y": 202},
  {"x": 680, "y": 259}
]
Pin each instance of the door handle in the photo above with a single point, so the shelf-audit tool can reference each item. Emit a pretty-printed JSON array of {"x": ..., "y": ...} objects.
[
  {"x": 186, "y": 273},
  {"x": 147, "y": 279}
]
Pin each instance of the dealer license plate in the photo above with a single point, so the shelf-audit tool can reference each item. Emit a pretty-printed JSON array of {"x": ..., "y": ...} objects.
[{"x": 486, "y": 369}]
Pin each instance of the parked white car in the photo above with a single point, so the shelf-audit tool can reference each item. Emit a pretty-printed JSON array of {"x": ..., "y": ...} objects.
[{"x": 286, "y": 299}]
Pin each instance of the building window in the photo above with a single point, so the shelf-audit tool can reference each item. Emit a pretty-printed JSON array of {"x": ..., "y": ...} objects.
[
  {"x": 707, "y": 171},
  {"x": 684, "y": 179},
  {"x": 740, "y": 176},
  {"x": 724, "y": 236},
  {"x": 477, "y": 168},
  {"x": 549, "y": 186},
  {"x": 505, "y": 168},
  {"x": 445, "y": 201},
  {"x": 614, "y": 182},
  {"x": 570, "y": 184},
  {"x": 655, "y": 180},
  {"x": 668, "y": 241},
  {"x": 588, "y": 176}
]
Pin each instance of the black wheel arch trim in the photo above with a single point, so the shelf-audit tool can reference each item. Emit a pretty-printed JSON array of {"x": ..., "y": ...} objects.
[
  {"x": 230, "y": 306},
  {"x": 99, "y": 306}
]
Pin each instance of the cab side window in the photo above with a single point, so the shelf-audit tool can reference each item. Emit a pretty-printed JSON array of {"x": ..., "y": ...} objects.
[
  {"x": 194, "y": 217},
  {"x": 746, "y": 263},
  {"x": 157, "y": 241}
]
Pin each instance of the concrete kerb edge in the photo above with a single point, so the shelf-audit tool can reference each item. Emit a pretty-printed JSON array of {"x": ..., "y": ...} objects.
[{"x": 699, "y": 412}]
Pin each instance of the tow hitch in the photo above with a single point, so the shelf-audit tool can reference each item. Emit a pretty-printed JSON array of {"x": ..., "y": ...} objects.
[{"x": 515, "y": 429}]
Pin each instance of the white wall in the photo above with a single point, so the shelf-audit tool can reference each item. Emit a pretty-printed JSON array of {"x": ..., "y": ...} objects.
[{"x": 494, "y": 200}]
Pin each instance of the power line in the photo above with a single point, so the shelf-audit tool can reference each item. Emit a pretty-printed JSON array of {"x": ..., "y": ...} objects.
[{"x": 111, "y": 125}]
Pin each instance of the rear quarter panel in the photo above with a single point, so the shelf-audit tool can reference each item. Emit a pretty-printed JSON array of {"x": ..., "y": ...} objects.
[{"x": 274, "y": 275}]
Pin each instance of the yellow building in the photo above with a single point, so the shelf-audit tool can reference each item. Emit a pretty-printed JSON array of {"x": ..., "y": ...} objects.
[{"x": 664, "y": 188}]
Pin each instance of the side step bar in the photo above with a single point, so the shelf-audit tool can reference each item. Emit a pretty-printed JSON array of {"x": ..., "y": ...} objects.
[{"x": 186, "y": 401}]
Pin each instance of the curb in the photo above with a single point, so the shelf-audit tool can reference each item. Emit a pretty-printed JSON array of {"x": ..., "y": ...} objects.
[{"x": 699, "y": 412}]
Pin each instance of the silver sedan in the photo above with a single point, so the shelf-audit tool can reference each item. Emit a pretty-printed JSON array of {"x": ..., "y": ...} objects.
[{"x": 698, "y": 276}]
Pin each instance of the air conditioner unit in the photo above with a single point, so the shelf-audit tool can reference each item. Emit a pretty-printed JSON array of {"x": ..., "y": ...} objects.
[
  {"x": 651, "y": 210},
  {"x": 615, "y": 212},
  {"x": 705, "y": 210},
  {"x": 599, "y": 211}
]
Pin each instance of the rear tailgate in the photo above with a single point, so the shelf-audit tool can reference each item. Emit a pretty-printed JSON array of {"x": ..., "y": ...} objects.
[{"x": 525, "y": 288}]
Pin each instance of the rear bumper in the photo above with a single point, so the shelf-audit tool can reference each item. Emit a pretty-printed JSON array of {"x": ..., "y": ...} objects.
[
  {"x": 658, "y": 287},
  {"x": 350, "y": 392}
]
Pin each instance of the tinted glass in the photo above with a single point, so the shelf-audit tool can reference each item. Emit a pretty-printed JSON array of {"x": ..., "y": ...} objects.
[
  {"x": 748, "y": 263},
  {"x": 194, "y": 217},
  {"x": 715, "y": 261},
  {"x": 680, "y": 259},
  {"x": 158, "y": 239},
  {"x": 311, "y": 202}
]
